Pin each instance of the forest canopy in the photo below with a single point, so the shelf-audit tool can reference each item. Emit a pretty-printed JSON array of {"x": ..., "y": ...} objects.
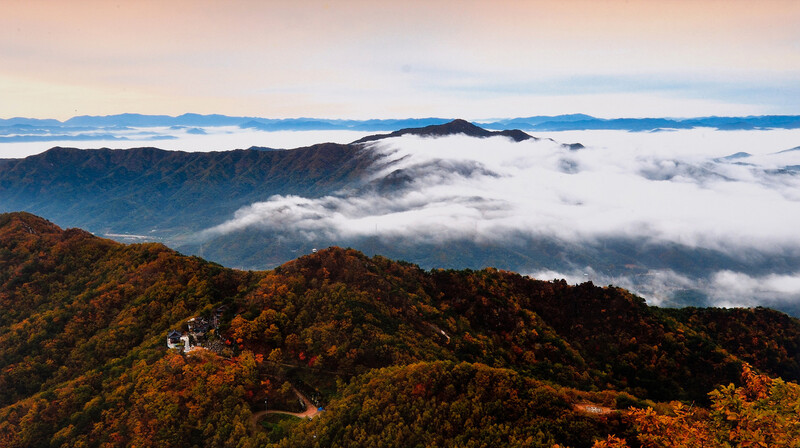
[{"x": 391, "y": 352}]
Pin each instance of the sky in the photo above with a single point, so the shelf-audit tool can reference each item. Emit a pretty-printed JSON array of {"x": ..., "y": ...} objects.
[{"x": 368, "y": 59}]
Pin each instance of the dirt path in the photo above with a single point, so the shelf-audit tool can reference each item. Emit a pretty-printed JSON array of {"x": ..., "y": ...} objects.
[{"x": 310, "y": 412}]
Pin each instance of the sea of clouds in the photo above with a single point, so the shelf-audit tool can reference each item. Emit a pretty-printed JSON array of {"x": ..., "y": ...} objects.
[
  {"x": 460, "y": 186},
  {"x": 179, "y": 138},
  {"x": 737, "y": 192}
]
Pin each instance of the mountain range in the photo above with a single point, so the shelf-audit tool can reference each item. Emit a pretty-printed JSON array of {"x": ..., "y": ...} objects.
[
  {"x": 167, "y": 194},
  {"x": 258, "y": 208},
  {"x": 391, "y": 351},
  {"x": 124, "y": 127}
]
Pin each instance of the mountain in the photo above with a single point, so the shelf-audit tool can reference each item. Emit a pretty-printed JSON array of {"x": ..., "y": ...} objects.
[
  {"x": 578, "y": 122},
  {"x": 260, "y": 207},
  {"x": 628, "y": 124},
  {"x": 126, "y": 127},
  {"x": 452, "y": 128},
  {"x": 292, "y": 125},
  {"x": 165, "y": 193},
  {"x": 795, "y": 149},
  {"x": 527, "y": 122},
  {"x": 71, "y": 301},
  {"x": 437, "y": 356},
  {"x": 28, "y": 122},
  {"x": 140, "y": 120},
  {"x": 610, "y": 260}
]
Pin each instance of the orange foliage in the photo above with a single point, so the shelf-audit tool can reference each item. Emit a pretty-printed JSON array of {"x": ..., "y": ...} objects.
[{"x": 763, "y": 412}]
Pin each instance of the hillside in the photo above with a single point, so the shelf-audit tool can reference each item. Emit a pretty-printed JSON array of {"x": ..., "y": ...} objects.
[
  {"x": 169, "y": 195},
  {"x": 70, "y": 301},
  {"x": 162, "y": 194},
  {"x": 443, "y": 358}
]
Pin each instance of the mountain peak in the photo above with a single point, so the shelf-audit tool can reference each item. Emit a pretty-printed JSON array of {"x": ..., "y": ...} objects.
[
  {"x": 27, "y": 222},
  {"x": 457, "y": 126}
]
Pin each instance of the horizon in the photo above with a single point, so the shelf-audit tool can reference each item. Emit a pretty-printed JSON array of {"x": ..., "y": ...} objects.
[
  {"x": 399, "y": 118},
  {"x": 21, "y": 137}
]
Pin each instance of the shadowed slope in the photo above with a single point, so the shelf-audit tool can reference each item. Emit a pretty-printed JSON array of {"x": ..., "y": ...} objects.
[{"x": 451, "y": 128}]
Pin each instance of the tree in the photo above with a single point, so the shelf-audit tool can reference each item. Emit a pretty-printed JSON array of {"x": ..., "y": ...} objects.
[{"x": 763, "y": 412}]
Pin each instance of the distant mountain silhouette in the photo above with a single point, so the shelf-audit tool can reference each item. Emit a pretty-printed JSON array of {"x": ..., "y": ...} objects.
[
  {"x": 87, "y": 128},
  {"x": 452, "y": 128},
  {"x": 795, "y": 149}
]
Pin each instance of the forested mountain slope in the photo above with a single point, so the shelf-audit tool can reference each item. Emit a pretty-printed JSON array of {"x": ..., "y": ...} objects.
[
  {"x": 394, "y": 352},
  {"x": 145, "y": 189}
]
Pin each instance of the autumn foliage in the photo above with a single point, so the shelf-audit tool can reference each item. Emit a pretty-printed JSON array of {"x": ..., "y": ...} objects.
[
  {"x": 393, "y": 352},
  {"x": 763, "y": 412}
]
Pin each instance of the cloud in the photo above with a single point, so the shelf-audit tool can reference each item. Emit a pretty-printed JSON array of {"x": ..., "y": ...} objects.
[
  {"x": 724, "y": 288},
  {"x": 658, "y": 286},
  {"x": 216, "y": 138},
  {"x": 487, "y": 189},
  {"x": 729, "y": 288}
]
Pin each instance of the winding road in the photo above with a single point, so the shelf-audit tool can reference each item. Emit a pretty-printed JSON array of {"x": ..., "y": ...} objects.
[{"x": 310, "y": 412}]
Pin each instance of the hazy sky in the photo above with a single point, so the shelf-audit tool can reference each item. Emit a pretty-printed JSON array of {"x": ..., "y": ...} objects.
[{"x": 364, "y": 59}]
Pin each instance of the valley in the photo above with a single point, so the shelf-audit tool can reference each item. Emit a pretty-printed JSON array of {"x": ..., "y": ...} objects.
[{"x": 702, "y": 230}]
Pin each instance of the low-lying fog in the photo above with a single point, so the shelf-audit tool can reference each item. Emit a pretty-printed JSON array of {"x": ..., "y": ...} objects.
[
  {"x": 190, "y": 139},
  {"x": 736, "y": 192}
]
